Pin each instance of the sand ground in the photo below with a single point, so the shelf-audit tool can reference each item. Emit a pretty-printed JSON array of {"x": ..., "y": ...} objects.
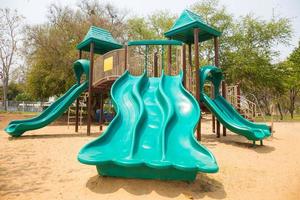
[{"x": 42, "y": 165}]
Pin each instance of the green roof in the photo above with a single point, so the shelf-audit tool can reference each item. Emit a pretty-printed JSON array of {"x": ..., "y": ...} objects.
[
  {"x": 183, "y": 28},
  {"x": 154, "y": 42},
  {"x": 104, "y": 41}
]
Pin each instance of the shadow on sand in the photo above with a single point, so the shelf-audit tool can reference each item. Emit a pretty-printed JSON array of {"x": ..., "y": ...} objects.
[
  {"x": 201, "y": 187},
  {"x": 237, "y": 141},
  {"x": 66, "y": 135}
]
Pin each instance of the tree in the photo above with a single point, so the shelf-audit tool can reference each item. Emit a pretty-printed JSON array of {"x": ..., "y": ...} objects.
[
  {"x": 51, "y": 47},
  {"x": 10, "y": 24},
  {"x": 217, "y": 16},
  {"x": 292, "y": 75},
  {"x": 146, "y": 28}
]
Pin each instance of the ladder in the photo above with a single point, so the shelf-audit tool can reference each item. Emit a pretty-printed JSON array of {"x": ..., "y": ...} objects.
[{"x": 72, "y": 111}]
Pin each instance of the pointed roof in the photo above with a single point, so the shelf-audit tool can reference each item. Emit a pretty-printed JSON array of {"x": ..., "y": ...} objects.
[
  {"x": 183, "y": 28},
  {"x": 104, "y": 41}
]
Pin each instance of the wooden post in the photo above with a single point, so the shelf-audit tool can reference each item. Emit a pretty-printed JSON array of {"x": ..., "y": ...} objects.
[
  {"x": 190, "y": 65},
  {"x": 101, "y": 111},
  {"x": 77, "y": 102},
  {"x": 213, "y": 116},
  {"x": 125, "y": 52},
  {"x": 169, "y": 59},
  {"x": 155, "y": 64},
  {"x": 213, "y": 88},
  {"x": 216, "y": 48},
  {"x": 197, "y": 77},
  {"x": 89, "y": 120},
  {"x": 184, "y": 65},
  {"x": 224, "y": 95}
]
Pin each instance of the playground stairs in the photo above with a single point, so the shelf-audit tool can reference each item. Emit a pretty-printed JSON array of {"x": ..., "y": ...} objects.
[{"x": 72, "y": 111}]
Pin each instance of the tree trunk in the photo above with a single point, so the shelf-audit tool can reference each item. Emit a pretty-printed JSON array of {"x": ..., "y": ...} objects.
[
  {"x": 5, "y": 91},
  {"x": 280, "y": 111},
  {"x": 266, "y": 106},
  {"x": 292, "y": 102}
]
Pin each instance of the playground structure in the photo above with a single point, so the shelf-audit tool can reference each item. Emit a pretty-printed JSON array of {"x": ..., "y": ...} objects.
[{"x": 156, "y": 113}]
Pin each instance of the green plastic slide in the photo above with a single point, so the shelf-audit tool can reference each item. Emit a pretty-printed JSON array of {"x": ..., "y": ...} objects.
[
  {"x": 18, "y": 127},
  {"x": 224, "y": 111},
  {"x": 152, "y": 135}
]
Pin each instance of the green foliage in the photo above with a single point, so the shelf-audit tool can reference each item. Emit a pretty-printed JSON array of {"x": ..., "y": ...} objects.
[
  {"x": 218, "y": 17},
  {"x": 152, "y": 27},
  {"x": 50, "y": 47},
  {"x": 247, "y": 47},
  {"x": 138, "y": 29},
  {"x": 23, "y": 97},
  {"x": 13, "y": 90},
  {"x": 292, "y": 78},
  {"x": 247, "y": 50}
]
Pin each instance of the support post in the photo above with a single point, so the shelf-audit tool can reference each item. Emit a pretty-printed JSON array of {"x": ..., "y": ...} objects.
[
  {"x": 184, "y": 65},
  {"x": 101, "y": 111},
  {"x": 224, "y": 95},
  {"x": 162, "y": 58},
  {"x": 216, "y": 48},
  {"x": 190, "y": 64},
  {"x": 77, "y": 102},
  {"x": 169, "y": 59},
  {"x": 89, "y": 121},
  {"x": 197, "y": 77},
  {"x": 213, "y": 88},
  {"x": 125, "y": 60},
  {"x": 155, "y": 64}
]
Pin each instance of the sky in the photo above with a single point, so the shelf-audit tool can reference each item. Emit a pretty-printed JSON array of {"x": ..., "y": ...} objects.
[{"x": 35, "y": 11}]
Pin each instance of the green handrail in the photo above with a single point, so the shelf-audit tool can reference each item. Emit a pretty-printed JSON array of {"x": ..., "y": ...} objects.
[{"x": 154, "y": 42}]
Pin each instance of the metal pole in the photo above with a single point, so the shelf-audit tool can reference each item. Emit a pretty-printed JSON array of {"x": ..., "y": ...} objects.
[
  {"x": 169, "y": 59},
  {"x": 197, "y": 77},
  {"x": 77, "y": 102},
  {"x": 184, "y": 65},
  {"x": 89, "y": 121}
]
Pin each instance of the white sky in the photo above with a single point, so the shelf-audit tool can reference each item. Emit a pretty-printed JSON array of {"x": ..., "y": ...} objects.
[{"x": 35, "y": 11}]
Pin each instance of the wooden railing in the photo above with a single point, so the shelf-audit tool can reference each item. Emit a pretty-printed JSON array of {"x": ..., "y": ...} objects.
[
  {"x": 111, "y": 64},
  {"x": 246, "y": 107}
]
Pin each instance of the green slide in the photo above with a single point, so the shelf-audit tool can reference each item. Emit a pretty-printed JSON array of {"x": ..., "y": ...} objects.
[
  {"x": 225, "y": 112},
  {"x": 18, "y": 127},
  {"x": 152, "y": 135}
]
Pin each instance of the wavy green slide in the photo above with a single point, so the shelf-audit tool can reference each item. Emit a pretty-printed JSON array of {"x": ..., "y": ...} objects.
[
  {"x": 225, "y": 112},
  {"x": 18, "y": 127},
  {"x": 152, "y": 135}
]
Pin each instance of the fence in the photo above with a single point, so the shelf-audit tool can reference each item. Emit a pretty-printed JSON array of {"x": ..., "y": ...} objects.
[{"x": 24, "y": 106}]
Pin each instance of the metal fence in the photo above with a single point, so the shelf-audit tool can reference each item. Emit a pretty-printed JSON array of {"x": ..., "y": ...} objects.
[{"x": 24, "y": 106}]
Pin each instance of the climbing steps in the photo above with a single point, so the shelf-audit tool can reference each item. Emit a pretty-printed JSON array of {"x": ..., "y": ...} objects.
[{"x": 82, "y": 110}]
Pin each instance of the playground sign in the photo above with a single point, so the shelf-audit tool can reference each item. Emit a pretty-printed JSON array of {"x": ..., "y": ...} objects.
[{"x": 108, "y": 63}]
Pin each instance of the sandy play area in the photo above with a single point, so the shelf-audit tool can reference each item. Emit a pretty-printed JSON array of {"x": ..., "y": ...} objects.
[{"x": 42, "y": 165}]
